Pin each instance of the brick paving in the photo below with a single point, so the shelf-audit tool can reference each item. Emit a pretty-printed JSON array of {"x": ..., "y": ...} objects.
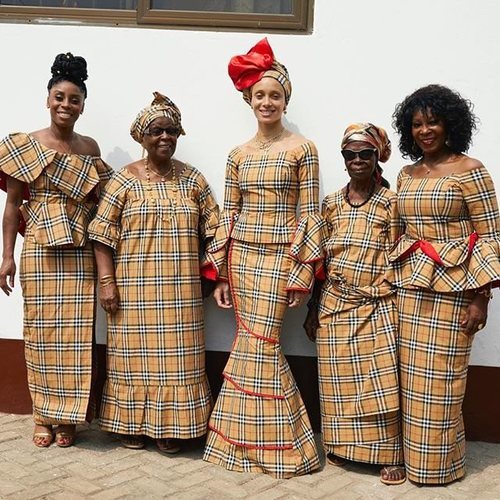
[{"x": 99, "y": 468}]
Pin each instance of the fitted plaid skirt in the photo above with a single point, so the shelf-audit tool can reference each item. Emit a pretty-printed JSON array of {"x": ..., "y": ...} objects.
[
  {"x": 434, "y": 355},
  {"x": 58, "y": 286},
  {"x": 358, "y": 377},
  {"x": 259, "y": 423}
]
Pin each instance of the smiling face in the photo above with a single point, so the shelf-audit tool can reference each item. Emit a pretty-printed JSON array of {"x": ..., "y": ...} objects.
[
  {"x": 65, "y": 102},
  {"x": 358, "y": 168},
  {"x": 160, "y": 139},
  {"x": 428, "y": 132},
  {"x": 268, "y": 101}
]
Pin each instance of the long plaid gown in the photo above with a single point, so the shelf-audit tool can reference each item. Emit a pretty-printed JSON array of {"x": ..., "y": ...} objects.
[
  {"x": 156, "y": 383},
  {"x": 357, "y": 337},
  {"x": 259, "y": 422},
  {"x": 450, "y": 247},
  {"x": 57, "y": 274}
]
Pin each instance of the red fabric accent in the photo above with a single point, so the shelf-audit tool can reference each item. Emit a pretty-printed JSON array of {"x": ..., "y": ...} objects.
[
  {"x": 245, "y": 70},
  {"x": 250, "y": 446},
  {"x": 473, "y": 240},
  {"x": 320, "y": 273},
  {"x": 209, "y": 271},
  {"x": 261, "y": 395}
]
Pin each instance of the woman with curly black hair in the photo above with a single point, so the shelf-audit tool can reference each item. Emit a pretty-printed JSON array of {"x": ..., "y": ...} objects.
[
  {"x": 445, "y": 265},
  {"x": 60, "y": 173}
]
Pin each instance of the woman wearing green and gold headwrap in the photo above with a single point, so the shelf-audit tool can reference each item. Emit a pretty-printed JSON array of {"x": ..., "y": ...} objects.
[{"x": 154, "y": 216}]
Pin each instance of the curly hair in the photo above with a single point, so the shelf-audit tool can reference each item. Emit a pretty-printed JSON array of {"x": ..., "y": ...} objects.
[
  {"x": 67, "y": 67},
  {"x": 443, "y": 103}
]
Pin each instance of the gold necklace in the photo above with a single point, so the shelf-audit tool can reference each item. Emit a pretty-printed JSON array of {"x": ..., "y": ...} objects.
[
  {"x": 265, "y": 145},
  {"x": 163, "y": 177},
  {"x": 68, "y": 149}
]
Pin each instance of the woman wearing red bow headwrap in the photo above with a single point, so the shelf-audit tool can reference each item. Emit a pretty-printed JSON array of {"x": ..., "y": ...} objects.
[{"x": 264, "y": 261}]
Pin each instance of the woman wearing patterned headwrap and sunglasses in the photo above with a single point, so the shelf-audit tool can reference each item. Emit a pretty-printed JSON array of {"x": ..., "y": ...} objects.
[
  {"x": 266, "y": 259},
  {"x": 153, "y": 219},
  {"x": 60, "y": 173},
  {"x": 354, "y": 320}
]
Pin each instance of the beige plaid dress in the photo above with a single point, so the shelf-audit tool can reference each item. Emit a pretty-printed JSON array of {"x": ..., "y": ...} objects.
[
  {"x": 357, "y": 337},
  {"x": 57, "y": 274},
  {"x": 450, "y": 247},
  {"x": 156, "y": 382},
  {"x": 259, "y": 423}
]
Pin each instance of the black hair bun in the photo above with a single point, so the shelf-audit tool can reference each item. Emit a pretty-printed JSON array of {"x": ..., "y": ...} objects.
[{"x": 68, "y": 66}]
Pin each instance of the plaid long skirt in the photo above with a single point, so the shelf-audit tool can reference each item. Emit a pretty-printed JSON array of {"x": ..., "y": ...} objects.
[
  {"x": 358, "y": 378},
  {"x": 434, "y": 355},
  {"x": 259, "y": 423},
  {"x": 58, "y": 286}
]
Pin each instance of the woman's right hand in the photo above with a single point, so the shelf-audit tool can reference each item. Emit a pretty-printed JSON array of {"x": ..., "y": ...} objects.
[
  {"x": 7, "y": 274},
  {"x": 311, "y": 324},
  {"x": 109, "y": 298},
  {"x": 222, "y": 295}
]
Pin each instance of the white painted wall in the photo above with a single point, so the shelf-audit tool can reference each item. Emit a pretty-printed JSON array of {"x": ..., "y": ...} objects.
[{"x": 361, "y": 59}]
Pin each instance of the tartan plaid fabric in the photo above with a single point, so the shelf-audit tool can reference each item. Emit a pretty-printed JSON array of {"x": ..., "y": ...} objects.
[
  {"x": 57, "y": 274},
  {"x": 357, "y": 337},
  {"x": 262, "y": 193},
  {"x": 156, "y": 382},
  {"x": 433, "y": 356},
  {"x": 259, "y": 423},
  {"x": 62, "y": 189},
  {"x": 444, "y": 212}
]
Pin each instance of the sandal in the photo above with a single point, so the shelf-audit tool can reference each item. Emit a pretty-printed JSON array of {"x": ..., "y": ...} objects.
[
  {"x": 43, "y": 439},
  {"x": 168, "y": 446},
  {"x": 394, "y": 474},
  {"x": 132, "y": 441},
  {"x": 65, "y": 435},
  {"x": 335, "y": 460}
]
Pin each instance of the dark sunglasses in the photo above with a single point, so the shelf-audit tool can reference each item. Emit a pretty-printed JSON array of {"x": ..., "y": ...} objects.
[
  {"x": 158, "y": 131},
  {"x": 364, "y": 154}
]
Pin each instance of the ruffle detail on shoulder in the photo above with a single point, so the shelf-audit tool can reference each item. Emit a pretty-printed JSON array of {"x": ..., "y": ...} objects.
[
  {"x": 452, "y": 266},
  {"x": 307, "y": 242},
  {"x": 24, "y": 158}
]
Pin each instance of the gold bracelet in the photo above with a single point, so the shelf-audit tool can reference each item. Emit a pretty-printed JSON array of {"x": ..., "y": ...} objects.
[
  {"x": 102, "y": 285},
  {"x": 106, "y": 277}
]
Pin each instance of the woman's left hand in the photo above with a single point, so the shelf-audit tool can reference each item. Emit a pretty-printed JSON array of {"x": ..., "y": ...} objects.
[
  {"x": 476, "y": 314},
  {"x": 296, "y": 298}
]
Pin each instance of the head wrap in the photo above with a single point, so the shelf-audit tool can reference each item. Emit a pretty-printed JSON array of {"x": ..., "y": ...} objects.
[
  {"x": 161, "y": 106},
  {"x": 367, "y": 132},
  {"x": 259, "y": 62}
]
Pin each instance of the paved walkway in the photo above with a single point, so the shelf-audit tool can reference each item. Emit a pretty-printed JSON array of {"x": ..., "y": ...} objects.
[{"x": 99, "y": 468}]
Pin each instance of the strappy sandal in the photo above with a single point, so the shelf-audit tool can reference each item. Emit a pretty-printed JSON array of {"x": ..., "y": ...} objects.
[
  {"x": 335, "y": 460},
  {"x": 43, "y": 439},
  {"x": 132, "y": 441},
  {"x": 394, "y": 474},
  {"x": 168, "y": 446},
  {"x": 65, "y": 435}
]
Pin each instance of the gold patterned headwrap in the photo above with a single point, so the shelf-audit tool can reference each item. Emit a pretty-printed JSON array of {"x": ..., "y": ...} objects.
[
  {"x": 247, "y": 69},
  {"x": 161, "y": 106},
  {"x": 367, "y": 132}
]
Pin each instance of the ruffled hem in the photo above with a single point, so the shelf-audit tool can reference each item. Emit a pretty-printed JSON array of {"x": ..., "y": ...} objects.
[
  {"x": 453, "y": 266},
  {"x": 104, "y": 232},
  {"x": 173, "y": 411}
]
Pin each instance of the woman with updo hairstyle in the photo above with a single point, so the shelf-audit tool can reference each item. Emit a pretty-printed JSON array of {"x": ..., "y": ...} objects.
[
  {"x": 263, "y": 258},
  {"x": 445, "y": 266},
  {"x": 352, "y": 316},
  {"x": 59, "y": 172},
  {"x": 153, "y": 222}
]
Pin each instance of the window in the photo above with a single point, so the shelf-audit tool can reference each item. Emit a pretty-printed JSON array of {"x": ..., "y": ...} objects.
[{"x": 291, "y": 15}]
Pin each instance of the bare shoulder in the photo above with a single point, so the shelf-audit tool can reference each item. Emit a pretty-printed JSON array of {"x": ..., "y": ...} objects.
[
  {"x": 86, "y": 146},
  {"x": 291, "y": 140},
  {"x": 136, "y": 168},
  {"x": 466, "y": 164},
  {"x": 407, "y": 169},
  {"x": 40, "y": 135}
]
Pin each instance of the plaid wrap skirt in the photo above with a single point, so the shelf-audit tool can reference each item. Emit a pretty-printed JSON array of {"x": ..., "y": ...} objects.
[
  {"x": 58, "y": 286},
  {"x": 358, "y": 376},
  {"x": 259, "y": 423},
  {"x": 434, "y": 355}
]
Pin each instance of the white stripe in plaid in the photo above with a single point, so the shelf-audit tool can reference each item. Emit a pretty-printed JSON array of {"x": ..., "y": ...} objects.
[
  {"x": 259, "y": 422},
  {"x": 58, "y": 289},
  {"x": 156, "y": 384},
  {"x": 357, "y": 338},
  {"x": 434, "y": 354}
]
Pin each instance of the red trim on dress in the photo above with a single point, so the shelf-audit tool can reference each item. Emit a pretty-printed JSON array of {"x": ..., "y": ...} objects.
[
  {"x": 209, "y": 271},
  {"x": 251, "y": 393},
  {"x": 250, "y": 446}
]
